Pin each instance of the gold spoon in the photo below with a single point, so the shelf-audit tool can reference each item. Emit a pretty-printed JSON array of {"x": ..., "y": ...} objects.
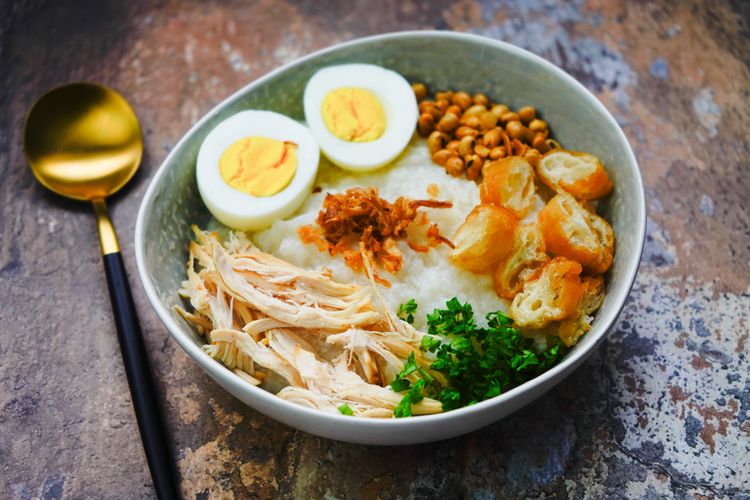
[{"x": 83, "y": 141}]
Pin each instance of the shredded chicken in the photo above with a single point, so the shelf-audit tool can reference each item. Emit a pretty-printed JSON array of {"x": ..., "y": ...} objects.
[
  {"x": 359, "y": 217},
  {"x": 329, "y": 342}
]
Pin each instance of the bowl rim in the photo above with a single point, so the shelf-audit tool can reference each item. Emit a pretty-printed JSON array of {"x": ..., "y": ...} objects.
[{"x": 218, "y": 371}]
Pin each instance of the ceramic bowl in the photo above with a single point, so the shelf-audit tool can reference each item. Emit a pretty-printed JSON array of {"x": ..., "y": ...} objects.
[{"x": 441, "y": 60}]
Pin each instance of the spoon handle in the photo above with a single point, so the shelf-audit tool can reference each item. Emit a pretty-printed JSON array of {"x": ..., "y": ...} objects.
[{"x": 141, "y": 383}]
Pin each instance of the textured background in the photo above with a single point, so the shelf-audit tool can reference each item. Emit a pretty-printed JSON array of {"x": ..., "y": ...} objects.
[{"x": 661, "y": 409}]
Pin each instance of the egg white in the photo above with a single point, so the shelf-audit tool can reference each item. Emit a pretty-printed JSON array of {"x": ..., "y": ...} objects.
[
  {"x": 396, "y": 97},
  {"x": 242, "y": 211}
]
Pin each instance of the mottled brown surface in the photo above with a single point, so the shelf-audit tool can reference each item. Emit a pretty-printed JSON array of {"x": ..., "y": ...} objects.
[{"x": 662, "y": 408}]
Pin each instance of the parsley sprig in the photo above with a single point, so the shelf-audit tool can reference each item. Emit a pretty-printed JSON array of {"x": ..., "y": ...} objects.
[
  {"x": 406, "y": 311},
  {"x": 415, "y": 391},
  {"x": 480, "y": 363}
]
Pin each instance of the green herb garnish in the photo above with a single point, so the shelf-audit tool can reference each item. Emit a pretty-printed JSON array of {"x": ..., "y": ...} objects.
[
  {"x": 415, "y": 391},
  {"x": 412, "y": 397},
  {"x": 406, "y": 311},
  {"x": 401, "y": 383},
  {"x": 480, "y": 363},
  {"x": 345, "y": 409}
]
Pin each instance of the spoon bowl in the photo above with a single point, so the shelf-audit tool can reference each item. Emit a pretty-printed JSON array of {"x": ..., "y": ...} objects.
[{"x": 83, "y": 141}]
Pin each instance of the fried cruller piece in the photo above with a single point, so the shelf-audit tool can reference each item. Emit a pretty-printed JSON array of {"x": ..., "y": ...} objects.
[
  {"x": 557, "y": 301},
  {"x": 551, "y": 294},
  {"x": 580, "y": 174},
  {"x": 509, "y": 183},
  {"x": 326, "y": 342},
  {"x": 527, "y": 255},
  {"x": 571, "y": 230},
  {"x": 483, "y": 239},
  {"x": 572, "y": 328}
]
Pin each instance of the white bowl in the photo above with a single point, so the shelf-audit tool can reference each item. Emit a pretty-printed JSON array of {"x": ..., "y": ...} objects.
[{"x": 441, "y": 60}]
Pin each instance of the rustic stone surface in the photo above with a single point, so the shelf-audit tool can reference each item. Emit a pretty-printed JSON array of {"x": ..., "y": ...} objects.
[{"x": 661, "y": 409}]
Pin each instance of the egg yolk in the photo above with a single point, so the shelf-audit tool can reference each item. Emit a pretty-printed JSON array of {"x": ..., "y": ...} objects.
[
  {"x": 353, "y": 114},
  {"x": 259, "y": 166}
]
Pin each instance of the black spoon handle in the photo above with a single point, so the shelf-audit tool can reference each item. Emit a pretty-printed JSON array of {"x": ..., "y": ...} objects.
[{"x": 141, "y": 383}]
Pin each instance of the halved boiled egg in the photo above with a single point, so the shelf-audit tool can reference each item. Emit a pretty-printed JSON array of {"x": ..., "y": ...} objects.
[
  {"x": 256, "y": 167},
  {"x": 362, "y": 115}
]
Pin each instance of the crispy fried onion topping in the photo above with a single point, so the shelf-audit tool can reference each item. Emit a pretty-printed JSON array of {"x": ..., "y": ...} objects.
[{"x": 360, "y": 219}]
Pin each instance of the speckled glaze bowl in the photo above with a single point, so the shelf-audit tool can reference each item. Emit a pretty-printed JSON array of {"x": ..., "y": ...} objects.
[{"x": 441, "y": 60}]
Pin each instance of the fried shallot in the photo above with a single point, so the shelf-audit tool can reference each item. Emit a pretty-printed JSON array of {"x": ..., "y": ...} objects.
[{"x": 360, "y": 218}]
